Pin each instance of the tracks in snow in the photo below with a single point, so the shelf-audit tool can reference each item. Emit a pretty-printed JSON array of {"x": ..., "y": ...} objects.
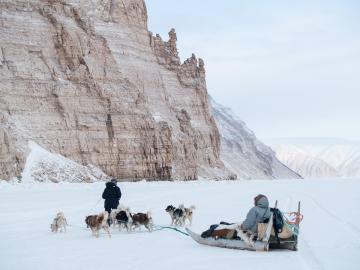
[
  {"x": 306, "y": 256},
  {"x": 345, "y": 224}
]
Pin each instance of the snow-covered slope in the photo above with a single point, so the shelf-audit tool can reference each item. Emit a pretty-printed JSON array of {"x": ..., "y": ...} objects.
[
  {"x": 303, "y": 163},
  {"x": 329, "y": 236},
  {"x": 319, "y": 157},
  {"x": 242, "y": 152},
  {"x": 43, "y": 166},
  {"x": 351, "y": 167}
]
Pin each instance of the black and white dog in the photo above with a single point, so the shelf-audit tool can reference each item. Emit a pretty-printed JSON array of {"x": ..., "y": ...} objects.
[
  {"x": 124, "y": 219},
  {"x": 180, "y": 214}
]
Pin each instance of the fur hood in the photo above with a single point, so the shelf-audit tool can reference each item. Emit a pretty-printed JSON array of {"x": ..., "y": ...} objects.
[{"x": 263, "y": 202}]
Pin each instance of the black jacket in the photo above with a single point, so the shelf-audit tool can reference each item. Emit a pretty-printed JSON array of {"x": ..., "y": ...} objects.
[{"x": 112, "y": 195}]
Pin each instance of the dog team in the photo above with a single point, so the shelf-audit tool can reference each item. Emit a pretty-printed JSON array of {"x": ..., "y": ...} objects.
[
  {"x": 119, "y": 215},
  {"x": 122, "y": 218}
]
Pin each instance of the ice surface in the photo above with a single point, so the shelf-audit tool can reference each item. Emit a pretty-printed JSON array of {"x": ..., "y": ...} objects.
[{"x": 330, "y": 232}]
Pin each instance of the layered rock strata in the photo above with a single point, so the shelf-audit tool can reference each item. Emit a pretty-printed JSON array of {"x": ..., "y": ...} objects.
[{"x": 87, "y": 80}]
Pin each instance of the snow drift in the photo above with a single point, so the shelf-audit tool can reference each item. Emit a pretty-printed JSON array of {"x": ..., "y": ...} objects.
[{"x": 43, "y": 166}]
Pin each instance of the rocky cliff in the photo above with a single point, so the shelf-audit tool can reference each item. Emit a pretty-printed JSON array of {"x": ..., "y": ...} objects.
[
  {"x": 243, "y": 153},
  {"x": 87, "y": 80}
]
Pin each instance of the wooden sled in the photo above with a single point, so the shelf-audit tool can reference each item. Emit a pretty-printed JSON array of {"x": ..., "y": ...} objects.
[
  {"x": 288, "y": 238},
  {"x": 265, "y": 241},
  {"x": 228, "y": 243}
]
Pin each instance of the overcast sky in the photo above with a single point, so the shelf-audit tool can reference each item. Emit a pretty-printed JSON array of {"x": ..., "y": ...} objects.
[{"x": 287, "y": 68}]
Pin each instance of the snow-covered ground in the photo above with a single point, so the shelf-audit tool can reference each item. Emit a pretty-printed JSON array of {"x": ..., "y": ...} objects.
[{"x": 330, "y": 232}]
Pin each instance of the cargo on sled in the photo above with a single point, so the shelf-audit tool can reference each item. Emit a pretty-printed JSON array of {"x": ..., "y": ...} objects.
[{"x": 269, "y": 235}]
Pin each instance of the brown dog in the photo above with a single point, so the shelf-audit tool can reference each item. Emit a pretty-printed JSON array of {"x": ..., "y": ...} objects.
[
  {"x": 97, "y": 222},
  {"x": 142, "y": 219}
]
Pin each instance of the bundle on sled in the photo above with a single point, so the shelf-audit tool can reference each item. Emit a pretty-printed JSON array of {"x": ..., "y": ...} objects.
[{"x": 279, "y": 231}]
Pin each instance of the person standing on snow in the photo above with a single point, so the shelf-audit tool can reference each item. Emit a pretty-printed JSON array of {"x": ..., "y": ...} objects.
[
  {"x": 258, "y": 214},
  {"x": 111, "y": 195}
]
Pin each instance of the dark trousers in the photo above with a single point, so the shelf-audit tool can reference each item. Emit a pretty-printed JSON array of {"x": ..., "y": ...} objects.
[{"x": 108, "y": 209}]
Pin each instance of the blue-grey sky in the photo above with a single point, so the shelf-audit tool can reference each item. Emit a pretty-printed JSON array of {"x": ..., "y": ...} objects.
[{"x": 287, "y": 68}]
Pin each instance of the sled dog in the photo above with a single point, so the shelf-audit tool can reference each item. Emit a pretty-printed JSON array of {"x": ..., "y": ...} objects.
[
  {"x": 59, "y": 223},
  {"x": 98, "y": 222},
  {"x": 177, "y": 215},
  {"x": 113, "y": 219},
  {"x": 141, "y": 219},
  {"x": 115, "y": 212},
  {"x": 188, "y": 212},
  {"x": 124, "y": 219},
  {"x": 180, "y": 214}
]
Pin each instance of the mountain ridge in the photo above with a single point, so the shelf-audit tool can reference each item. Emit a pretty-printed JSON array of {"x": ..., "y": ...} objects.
[
  {"x": 242, "y": 152},
  {"x": 338, "y": 157}
]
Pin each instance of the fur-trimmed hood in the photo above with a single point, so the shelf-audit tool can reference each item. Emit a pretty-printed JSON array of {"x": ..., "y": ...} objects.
[{"x": 262, "y": 202}]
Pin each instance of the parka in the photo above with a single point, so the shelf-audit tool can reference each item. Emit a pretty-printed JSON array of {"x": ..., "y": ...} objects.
[
  {"x": 259, "y": 213},
  {"x": 112, "y": 195}
]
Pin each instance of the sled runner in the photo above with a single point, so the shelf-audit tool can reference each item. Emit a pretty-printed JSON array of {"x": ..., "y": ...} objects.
[
  {"x": 228, "y": 243},
  {"x": 267, "y": 238}
]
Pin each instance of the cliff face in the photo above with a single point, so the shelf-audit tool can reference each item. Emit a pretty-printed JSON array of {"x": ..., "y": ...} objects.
[
  {"x": 243, "y": 153},
  {"x": 87, "y": 80}
]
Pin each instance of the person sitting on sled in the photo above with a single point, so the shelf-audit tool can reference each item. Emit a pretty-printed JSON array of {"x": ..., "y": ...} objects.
[
  {"x": 112, "y": 195},
  {"x": 260, "y": 213}
]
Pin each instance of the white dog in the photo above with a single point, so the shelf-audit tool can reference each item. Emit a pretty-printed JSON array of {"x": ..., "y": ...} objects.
[{"x": 59, "y": 223}]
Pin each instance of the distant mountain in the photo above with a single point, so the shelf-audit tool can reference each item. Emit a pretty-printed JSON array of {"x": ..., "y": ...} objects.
[
  {"x": 317, "y": 158},
  {"x": 242, "y": 153}
]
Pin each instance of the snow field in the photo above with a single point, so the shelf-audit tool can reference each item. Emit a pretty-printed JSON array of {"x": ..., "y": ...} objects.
[{"x": 330, "y": 232}]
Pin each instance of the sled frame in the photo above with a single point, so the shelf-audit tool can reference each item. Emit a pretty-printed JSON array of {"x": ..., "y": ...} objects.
[
  {"x": 290, "y": 243},
  {"x": 264, "y": 244},
  {"x": 257, "y": 245}
]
